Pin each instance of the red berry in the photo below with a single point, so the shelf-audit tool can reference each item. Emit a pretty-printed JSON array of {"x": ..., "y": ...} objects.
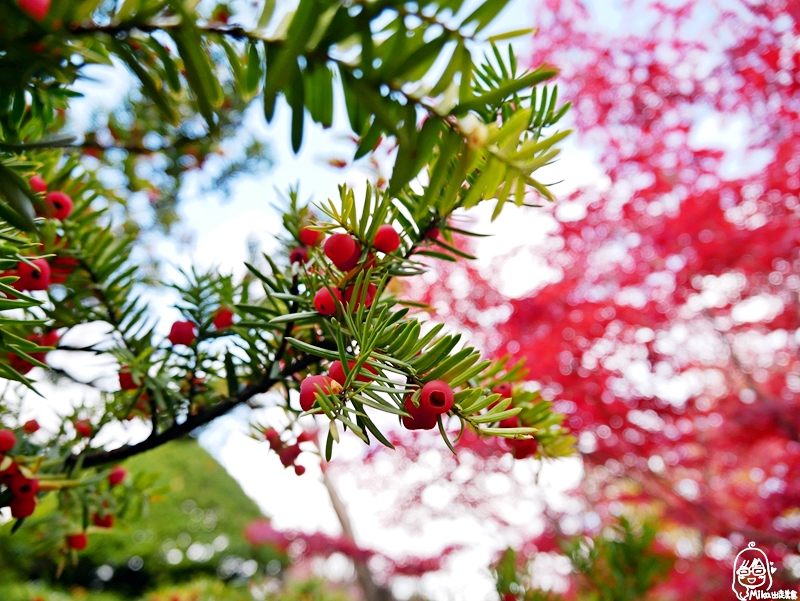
[
  {"x": 19, "y": 364},
  {"x": 298, "y": 255},
  {"x": 50, "y": 338},
  {"x": 33, "y": 277},
  {"x": 368, "y": 297},
  {"x": 299, "y": 470},
  {"x": 504, "y": 390},
  {"x": 7, "y": 440},
  {"x": 387, "y": 240},
  {"x": 61, "y": 267},
  {"x": 60, "y": 204},
  {"x": 336, "y": 372},
  {"x": 324, "y": 300},
  {"x": 433, "y": 234},
  {"x": 23, "y": 487},
  {"x": 117, "y": 475},
  {"x": 77, "y": 541},
  {"x": 436, "y": 397},
  {"x": 223, "y": 319},
  {"x": 38, "y": 184},
  {"x": 35, "y": 9},
  {"x": 182, "y": 332},
  {"x": 126, "y": 379},
  {"x": 30, "y": 426},
  {"x": 421, "y": 419},
  {"x": 305, "y": 436},
  {"x": 309, "y": 387},
  {"x": 310, "y": 237},
  {"x": 6, "y": 475},
  {"x": 83, "y": 427},
  {"x": 289, "y": 454},
  {"x": 106, "y": 521},
  {"x": 343, "y": 251},
  {"x": 22, "y": 507},
  {"x": 523, "y": 448}
]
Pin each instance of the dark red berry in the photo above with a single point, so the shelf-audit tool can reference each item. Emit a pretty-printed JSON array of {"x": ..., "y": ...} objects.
[
  {"x": 30, "y": 427},
  {"x": 33, "y": 276},
  {"x": 182, "y": 332},
  {"x": 310, "y": 237},
  {"x": 117, "y": 475},
  {"x": 23, "y": 487},
  {"x": 523, "y": 448},
  {"x": 7, "y": 440},
  {"x": 50, "y": 338},
  {"x": 223, "y": 319},
  {"x": 309, "y": 390},
  {"x": 77, "y": 541},
  {"x": 126, "y": 379},
  {"x": 504, "y": 390},
  {"x": 298, "y": 255},
  {"x": 436, "y": 397},
  {"x": 61, "y": 267},
  {"x": 38, "y": 184},
  {"x": 299, "y": 470},
  {"x": 433, "y": 234},
  {"x": 22, "y": 507},
  {"x": 343, "y": 251},
  {"x": 421, "y": 419},
  {"x": 350, "y": 292},
  {"x": 387, "y": 240},
  {"x": 83, "y": 427},
  {"x": 106, "y": 521},
  {"x": 60, "y": 205},
  {"x": 35, "y": 9},
  {"x": 305, "y": 436},
  {"x": 325, "y": 300}
]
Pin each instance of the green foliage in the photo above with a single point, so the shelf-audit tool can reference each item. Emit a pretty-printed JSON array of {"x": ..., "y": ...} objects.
[
  {"x": 620, "y": 564},
  {"x": 190, "y": 500}
]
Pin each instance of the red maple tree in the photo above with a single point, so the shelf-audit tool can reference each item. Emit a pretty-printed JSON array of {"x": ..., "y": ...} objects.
[{"x": 670, "y": 337}]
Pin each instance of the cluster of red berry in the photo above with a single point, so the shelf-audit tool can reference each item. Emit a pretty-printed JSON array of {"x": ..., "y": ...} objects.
[
  {"x": 50, "y": 338},
  {"x": 38, "y": 274},
  {"x": 345, "y": 252},
  {"x": 22, "y": 488},
  {"x": 288, "y": 453},
  {"x": 103, "y": 518}
]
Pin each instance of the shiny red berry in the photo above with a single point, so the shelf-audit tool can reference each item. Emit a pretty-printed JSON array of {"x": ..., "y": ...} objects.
[
  {"x": 336, "y": 371},
  {"x": 223, "y": 319},
  {"x": 386, "y": 240},
  {"x": 343, "y": 251},
  {"x": 298, "y": 255},
  {"x": 182, "y": 332},
  {"x": 433, "y": 234},
  {"x": 7, "y": 440},
  {"x": 289, "y": 455},
  {"x": 77, "y": 541},
  {"x": 521, "y": 449},
  {"x": 84, "y": 427},
  {"x": 355, "y": 303},
  {"x": 299, "y": 470},
  {"x": 309, "y": 390},
  {"x": 325, "y": 300},
  {"x": 35, "y": 9},
  {"x": 33, "y": 276},
  {"x": 106, "y": 521},
  {"x": 60, "y": 205},
  {"x": 22, "y": 507},
  {"x": 23, "y": 487},
  {"x": 30, "y": 427},
  {"x": 38, "y": 184},
  {"x": 436, "y": 397},
  {"x": 421, "y": 418},
  {"x": 310, "y": 237},
  {"x": 117, "y": 475}
]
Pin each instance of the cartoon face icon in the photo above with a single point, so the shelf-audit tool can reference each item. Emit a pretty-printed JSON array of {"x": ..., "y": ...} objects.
[
  {"x": 752, "y": 574},
  {"x": 752, "y": 571}
]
